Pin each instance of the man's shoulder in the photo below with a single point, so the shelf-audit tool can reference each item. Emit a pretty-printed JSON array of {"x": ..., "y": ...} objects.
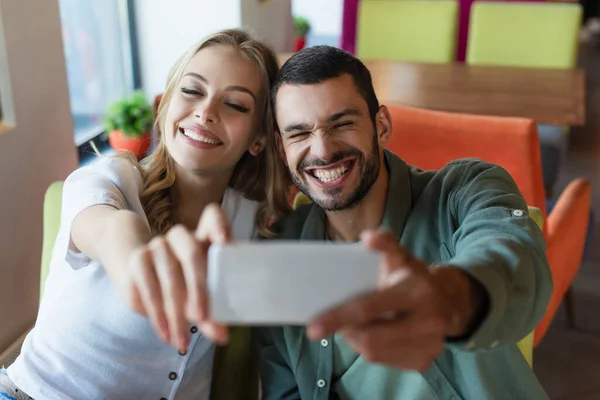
[{"x": 457, "y": 172}]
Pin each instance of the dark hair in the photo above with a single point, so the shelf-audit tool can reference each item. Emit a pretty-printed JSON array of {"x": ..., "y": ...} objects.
[{"x": 320, "y": 63}]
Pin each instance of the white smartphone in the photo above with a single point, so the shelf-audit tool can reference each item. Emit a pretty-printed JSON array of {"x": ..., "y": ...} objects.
[{"x": 286, "y": 282}]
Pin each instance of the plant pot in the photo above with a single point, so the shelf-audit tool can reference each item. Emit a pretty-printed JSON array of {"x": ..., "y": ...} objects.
[
  {"x": 299, "y": 43},
  {"x": 137, "y": 145}
]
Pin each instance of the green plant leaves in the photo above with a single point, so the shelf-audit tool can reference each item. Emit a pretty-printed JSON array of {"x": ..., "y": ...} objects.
[
  {"x": 131, "y": 115},
  {"x": 301, "y": 26}
]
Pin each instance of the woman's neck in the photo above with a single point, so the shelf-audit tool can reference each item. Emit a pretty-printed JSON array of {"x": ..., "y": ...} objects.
[{"x": 192, "y": 192}]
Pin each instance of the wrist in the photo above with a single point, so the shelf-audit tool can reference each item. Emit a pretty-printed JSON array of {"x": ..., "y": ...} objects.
[{"x": 463, "y": 299}]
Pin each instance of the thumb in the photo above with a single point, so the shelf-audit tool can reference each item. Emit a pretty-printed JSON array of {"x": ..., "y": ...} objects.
[
  {"x": 385, "y": 242},
  {"x": 214, "y": 225}
]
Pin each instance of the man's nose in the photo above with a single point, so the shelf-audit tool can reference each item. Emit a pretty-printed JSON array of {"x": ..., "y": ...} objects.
[{"x": 323, "y": 147}]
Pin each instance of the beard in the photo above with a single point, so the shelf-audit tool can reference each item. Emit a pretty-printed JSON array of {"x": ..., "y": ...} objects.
[{"x": 331, "y": 199}]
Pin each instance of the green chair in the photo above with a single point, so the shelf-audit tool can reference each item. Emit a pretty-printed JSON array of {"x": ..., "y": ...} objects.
[
  {"x": 52, "y": 205},
  {"x": 529, "y": 35},
  {"x": 407, "y": 30},
  {"x": 522, "y": 34},
  {"x": 235, "y": 370}
]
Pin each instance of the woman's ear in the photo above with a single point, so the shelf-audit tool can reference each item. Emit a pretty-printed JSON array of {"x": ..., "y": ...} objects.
[{"x": 257, "y": 146}]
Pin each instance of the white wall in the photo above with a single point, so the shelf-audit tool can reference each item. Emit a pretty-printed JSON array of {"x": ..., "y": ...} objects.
[
  {"x": 166, "y": 29},
  {"x": 325, "y": 16},
  {"x": 270, "y": 21},
  {"x": 37, "y": 151}
]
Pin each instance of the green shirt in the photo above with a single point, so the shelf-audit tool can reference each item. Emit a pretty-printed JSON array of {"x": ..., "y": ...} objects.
[{"x": 469, "y": 215}]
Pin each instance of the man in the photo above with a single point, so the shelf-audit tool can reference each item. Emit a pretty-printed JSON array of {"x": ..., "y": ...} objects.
[{"x": 467, "y": 275}]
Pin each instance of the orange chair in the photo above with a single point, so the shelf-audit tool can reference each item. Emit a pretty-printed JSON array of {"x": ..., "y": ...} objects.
[{"x": 430, "y": 139}]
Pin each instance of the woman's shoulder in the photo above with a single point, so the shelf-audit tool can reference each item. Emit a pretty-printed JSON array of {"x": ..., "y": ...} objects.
[{"x": 119, "y": 171}]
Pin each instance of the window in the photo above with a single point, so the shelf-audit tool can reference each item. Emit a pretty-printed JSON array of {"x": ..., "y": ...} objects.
[
  {"x": 7, "y": 115},
  {"x": 100, "y": 59}
]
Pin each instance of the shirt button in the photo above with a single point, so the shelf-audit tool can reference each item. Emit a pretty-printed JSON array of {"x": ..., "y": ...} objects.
[
  {"x": 172, "y": 376},
  {"x": 182, "y": 352},
  {"x": 193, "y": 329},
  {"x": 321, "y": 383},
  {"x": 324, "y": 342},
  {"x": 518, "y": 213}
]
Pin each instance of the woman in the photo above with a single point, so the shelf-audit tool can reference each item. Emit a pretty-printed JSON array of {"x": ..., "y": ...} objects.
[{"x": 126, "y": 240}]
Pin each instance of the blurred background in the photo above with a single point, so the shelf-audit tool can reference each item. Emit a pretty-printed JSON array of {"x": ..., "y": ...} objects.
[{"x": 456, "y": 72}]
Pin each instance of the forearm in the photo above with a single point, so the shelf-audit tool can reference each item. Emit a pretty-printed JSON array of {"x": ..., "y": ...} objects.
[{"x": 109, "y": 236}]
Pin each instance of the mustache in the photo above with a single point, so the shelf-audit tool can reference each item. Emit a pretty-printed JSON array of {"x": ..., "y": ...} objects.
[{"x": 312, "y": 162}]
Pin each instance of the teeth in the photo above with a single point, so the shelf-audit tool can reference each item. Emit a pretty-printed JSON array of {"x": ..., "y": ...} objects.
[
  {"x": 199, "y": 138},
  {"x": 330, "y": 175}
]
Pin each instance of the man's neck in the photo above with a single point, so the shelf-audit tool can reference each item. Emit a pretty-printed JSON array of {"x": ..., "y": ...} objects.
[
  {"x": 192, "y": 192},
  {"x": 347, "y": 225}
]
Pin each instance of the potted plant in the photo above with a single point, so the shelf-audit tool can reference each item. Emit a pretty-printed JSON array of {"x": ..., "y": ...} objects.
[
  {"x": 301, "y": 29},
  {"x": 128, "y": 123}
]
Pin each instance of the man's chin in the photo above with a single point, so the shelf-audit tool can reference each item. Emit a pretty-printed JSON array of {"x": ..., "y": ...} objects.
[{"x": 329, "y": 202}]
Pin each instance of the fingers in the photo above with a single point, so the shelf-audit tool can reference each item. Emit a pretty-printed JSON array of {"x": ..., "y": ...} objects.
[
  {"x": 360, "y": 311},
  {"x": 215, "y": 332},
  {"x": 146, "y": 283},
  {"x": 416, "y": 349},
  {"x": 402, "y": 292},
  {"x": 212, "y": 228},
  {"x": 192, "y": 259},
  {"x": 404, "y": 329},
  {"x": 214, "y": 225},
  {"x": 172, "y": 286}
]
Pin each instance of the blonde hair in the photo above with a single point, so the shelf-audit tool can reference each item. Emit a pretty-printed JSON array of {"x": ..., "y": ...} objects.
[{"x": 263, "y": 178}]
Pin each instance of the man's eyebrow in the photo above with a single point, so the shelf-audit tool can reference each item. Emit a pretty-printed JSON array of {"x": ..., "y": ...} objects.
[
  {"x": 297, "y": 127},
  {"x": 332, "y": 118},
  {"x": 346, "y": 113},
  {"x": 228, "y": 88}
]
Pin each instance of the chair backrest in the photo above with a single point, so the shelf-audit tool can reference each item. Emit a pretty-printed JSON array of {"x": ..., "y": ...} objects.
[
  {"x": 52, "y": 210},
  {"x": 523, "y": 34},
  {"x": 407, "y": 30},
  {"x": 430, "y": 139}
]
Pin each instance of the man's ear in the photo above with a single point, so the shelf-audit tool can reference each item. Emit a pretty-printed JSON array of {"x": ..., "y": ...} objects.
[
  {"x": 279, "y": 144},
  {"x": 383, "y": 124},
  {"x": 257, "y": 146}
]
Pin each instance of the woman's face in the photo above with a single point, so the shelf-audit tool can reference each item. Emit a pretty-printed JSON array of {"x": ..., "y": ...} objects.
[{"x": 211, "y": 120}]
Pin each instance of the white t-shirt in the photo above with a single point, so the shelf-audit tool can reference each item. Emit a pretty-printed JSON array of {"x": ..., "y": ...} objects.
[{"x": 87, "y": 344}]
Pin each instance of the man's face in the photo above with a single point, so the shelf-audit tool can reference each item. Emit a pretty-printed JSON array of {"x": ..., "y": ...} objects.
[{"x": 329, "y": 142}]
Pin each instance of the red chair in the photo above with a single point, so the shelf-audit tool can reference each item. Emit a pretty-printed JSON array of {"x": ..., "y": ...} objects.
[{"x": 430, "y": 139}]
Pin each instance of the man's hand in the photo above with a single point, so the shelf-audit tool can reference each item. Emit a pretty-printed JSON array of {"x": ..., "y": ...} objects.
[{"x": 405, "y": 323}]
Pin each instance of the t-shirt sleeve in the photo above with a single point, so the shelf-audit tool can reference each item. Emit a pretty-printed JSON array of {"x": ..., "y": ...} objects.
[{"x": 110, "y": 181}]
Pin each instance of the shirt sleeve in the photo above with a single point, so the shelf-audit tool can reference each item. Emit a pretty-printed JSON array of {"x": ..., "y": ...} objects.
[
  {"x": 498, "y": 245},
  {"x": 278, "y": 381},
  {"x": 110, "y": 181}
]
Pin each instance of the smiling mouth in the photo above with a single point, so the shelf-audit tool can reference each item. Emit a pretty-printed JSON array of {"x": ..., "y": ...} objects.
[
  {"x": 198, "y": 137},
  {"x": 331, "y": 173}
]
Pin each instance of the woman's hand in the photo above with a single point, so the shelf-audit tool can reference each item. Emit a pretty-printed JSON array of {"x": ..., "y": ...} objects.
[{"x": 167, "y": 279}]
